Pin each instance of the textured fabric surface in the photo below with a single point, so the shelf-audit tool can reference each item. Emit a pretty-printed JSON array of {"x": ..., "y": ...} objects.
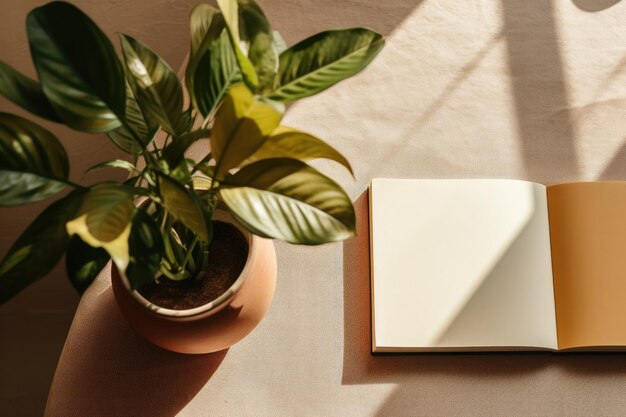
[{"x": 525, "y": 89}]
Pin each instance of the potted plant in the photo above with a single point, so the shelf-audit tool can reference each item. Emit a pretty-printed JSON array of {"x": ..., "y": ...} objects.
[{"x": 193, "y": 266}]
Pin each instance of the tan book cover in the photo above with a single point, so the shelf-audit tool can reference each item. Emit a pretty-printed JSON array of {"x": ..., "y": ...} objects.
[{"x": 466, "y": 265}]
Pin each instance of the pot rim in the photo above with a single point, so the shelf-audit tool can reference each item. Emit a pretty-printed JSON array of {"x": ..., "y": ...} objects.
[{"x": 217, "y": 304}]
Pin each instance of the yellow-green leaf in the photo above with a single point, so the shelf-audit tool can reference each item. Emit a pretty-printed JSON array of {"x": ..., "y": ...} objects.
[
  {"x": 286, "y": 199},
  {"x": 104, "y": 221},
  {"x": 184, "y": 206},
  {"x": 242, "y": 124},
  {"x": 286, "y": 142}
]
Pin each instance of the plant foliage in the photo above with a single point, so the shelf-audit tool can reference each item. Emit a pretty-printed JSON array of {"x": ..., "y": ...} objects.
[{"x": 158, "y": 223}]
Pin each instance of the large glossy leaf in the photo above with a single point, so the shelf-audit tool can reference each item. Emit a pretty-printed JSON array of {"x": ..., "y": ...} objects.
[
  {"x": 143, "y": 127},
  {"x": 33, "y": 163},
  {"x": 215, "y": 72},
  {"x": 206, "y": 24},
  {"x": 286, "y": 142},
  {"x": 242, "y": 124},
  {"x": 83, "y": 263},
  {"x": 230, "y": 11},
  {"x": 155, "y": 85},
  {"x": 286, "y": 199},
  {"x": 323, "y": 60},
  {"x": 184, "y": 206},
  {"x": 77, "y": 66},
  {"x": 104, "y": 221},
  {"x": 25, "y": 92},
  {"x": 146, "y": 249},
  {"x": 39, "y": 248}
]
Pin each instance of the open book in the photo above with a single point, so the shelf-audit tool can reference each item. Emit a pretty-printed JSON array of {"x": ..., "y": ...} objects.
[{"x": 482, "y": 265}]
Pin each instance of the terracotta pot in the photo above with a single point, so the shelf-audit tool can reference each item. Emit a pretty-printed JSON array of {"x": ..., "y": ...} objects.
[{"x": 214, "y": 326}]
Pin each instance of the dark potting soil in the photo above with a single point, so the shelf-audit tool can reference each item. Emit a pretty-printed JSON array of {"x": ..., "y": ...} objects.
[{"x": 228, "y": 253}]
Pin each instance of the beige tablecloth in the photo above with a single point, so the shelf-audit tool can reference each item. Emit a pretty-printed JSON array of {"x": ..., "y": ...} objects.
[{"x": 527, "y": 89}]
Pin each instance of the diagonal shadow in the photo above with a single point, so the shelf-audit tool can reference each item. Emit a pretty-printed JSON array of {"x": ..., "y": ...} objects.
[
  {"x": 539, "y": 91},
  {"x": 616, "y": 167},
  {"x": 361, "y": 367},
  {"x": 114, "y": 372},
  {"x": 463, "y": 74},
  {"x": 498, "y": 291}
]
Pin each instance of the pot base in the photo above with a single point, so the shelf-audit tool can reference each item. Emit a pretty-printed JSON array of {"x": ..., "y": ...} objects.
[{"x": 213, "y": 332}]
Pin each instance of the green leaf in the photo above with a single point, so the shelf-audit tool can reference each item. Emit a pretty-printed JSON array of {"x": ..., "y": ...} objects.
[
  {"x": 258, "y": 38},
  {"x": 154, "y": 84},
  {"x": 142, "y": 125},
  {"x": 286, "y": 142},
  {"x": 200, "y": 21},
  {"x": 184, "y": 206},
  {"x": 77, "y": 66},
  {"x": 104, "y": 220},
  {"x": 146, "y": 250},
  {"x": 206, "y": 24},
  {"x": 230, "y": 11},
  {"x": 33, "y": 163},
  {"x": 25, "y": 92},
  {"x": 39, "y": 248},
  {"x": 323, "y": 60},
  {"x": 84, "y": 263},
  {"x": 175, "y": 151},
  {"x": 116, "y": 163},
  {"x": 215, "y": 72},
  {"x": 286, "y": 199},
  {"x": 241, "y": 125},
  {"x": 201, "y": 182},
  {"x": 180, "y": 172}
]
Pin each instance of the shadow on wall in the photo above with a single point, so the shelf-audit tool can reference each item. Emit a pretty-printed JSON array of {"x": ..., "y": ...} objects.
[
  {"x": 539, "y": 88},
  {"x": 296, "y": 20},
  {"x": 115, "y": 372},
  {"x": 594, "y": 5},
  {"x": 422, "y": 380}
]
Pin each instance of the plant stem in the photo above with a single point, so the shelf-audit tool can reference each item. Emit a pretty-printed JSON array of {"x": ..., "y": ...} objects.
[
  {"x": 70, "y": 183},
  {"x": 189, "y": 251},
  {"x": 202, "y": 161}
]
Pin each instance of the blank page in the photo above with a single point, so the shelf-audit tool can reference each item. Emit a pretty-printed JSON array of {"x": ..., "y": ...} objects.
[
  {"x": 460, "y": 265},
  {"x": 588, "y": 228}
]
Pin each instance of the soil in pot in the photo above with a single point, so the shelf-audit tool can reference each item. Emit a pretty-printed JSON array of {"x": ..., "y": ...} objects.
[{"x": 228, "y": 253}]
